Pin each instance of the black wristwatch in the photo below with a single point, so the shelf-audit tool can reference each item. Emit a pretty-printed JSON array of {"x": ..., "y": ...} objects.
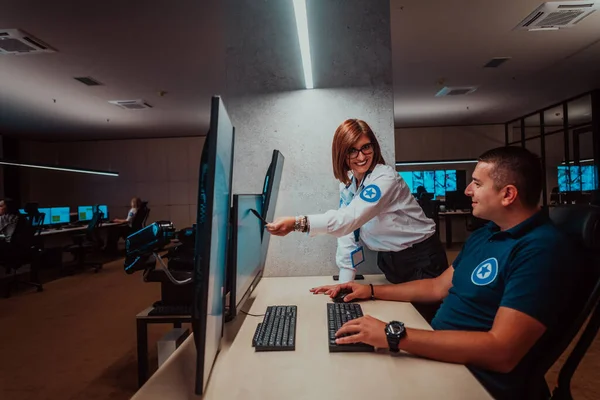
[{"x": 394, "y": 332}]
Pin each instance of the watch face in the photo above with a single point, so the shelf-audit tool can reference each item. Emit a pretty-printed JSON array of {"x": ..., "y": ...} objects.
[{"x": 395, "y": 328}]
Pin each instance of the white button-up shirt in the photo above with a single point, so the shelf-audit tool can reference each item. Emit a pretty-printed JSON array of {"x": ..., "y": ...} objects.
[{"x": 382, "y": 206}]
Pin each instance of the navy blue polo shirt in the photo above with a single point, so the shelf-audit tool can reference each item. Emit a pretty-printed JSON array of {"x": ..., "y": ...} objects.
[{"x": 524, "y": 268}]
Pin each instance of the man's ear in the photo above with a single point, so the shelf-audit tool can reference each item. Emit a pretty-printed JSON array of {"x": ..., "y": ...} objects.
[{"x": 509, "y": 194}]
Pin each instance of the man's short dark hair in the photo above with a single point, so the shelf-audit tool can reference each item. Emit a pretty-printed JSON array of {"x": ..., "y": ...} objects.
[{"x": 519, "y": 167}]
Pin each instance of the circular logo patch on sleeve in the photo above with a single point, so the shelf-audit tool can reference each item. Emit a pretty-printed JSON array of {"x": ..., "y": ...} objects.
[
  {"x": 485, "y": 272},
  {"x": 371, "y": 193}
]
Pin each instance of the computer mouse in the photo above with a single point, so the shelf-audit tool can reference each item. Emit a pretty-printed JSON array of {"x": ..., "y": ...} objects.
[{"x": 339, "y": 298}]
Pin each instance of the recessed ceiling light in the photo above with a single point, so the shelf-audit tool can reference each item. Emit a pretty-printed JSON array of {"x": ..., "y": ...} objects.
[{"x": 302, "y": 27}]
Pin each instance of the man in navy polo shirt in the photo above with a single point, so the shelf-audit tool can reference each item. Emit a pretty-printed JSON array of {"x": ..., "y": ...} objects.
[{"x": 503, "y": 294}]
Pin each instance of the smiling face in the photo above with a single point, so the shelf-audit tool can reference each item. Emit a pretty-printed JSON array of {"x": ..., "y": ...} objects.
[
  {"x": 486, "y": 199},
  {"x": 360, "y": 156}
]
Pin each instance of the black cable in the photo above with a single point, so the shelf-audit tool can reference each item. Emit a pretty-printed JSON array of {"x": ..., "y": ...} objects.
[{"x": 252, "y": 315}]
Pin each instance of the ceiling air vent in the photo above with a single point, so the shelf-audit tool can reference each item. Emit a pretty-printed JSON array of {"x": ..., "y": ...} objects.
[
  {"x": 87, "y": 80},
  {"x": 131, "y": 104},
  {"x": 496, "y": 62},
  {"x": 14, "y": 41},
  {"x": 555, "y": 15},
  {"x": 456, "y": 91}
]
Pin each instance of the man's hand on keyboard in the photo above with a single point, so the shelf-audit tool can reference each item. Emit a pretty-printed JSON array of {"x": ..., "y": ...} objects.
[
  {"x": 358, "y": 291},
  {"x": 365, "y": 329}
]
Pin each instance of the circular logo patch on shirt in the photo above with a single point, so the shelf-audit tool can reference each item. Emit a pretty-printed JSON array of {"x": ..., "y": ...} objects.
[
  {"x": 485, "y": 272},
  {"x": 371, "y": 193}
]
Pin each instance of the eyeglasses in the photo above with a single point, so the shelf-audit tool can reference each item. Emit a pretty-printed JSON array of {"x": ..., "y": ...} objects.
[{"x": 367, "y": 149}]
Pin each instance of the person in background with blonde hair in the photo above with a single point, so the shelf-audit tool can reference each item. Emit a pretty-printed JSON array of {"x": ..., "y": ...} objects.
[
  {"x": 376, "y": 210},
  {"x": 136, "y": 204},
  {"x": 116, "y": 233}
]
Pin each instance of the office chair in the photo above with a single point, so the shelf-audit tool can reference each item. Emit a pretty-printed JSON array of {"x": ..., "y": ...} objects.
[
  {"x": 22, "y": 251},
  {"x": 473, "y": 223},
  {"x": 140, "y": 218},
  {"x": 431, "y": 209},
  {"x": 87, "y": 243},
  {"x": 581, "y": 223}
]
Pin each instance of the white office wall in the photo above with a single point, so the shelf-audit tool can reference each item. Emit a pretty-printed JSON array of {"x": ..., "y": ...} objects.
[
  {"x": 447, "y": 143},
  {"x": 163, "y": 172},
  {"x": 301, "y": 125}
]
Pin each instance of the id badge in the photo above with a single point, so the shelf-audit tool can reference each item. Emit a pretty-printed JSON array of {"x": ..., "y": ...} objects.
[{"x": 357, "y": 256}]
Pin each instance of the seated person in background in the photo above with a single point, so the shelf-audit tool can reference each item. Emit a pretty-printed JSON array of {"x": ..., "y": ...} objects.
[
  {"x": 9, "y": 217},
  {"x": 136, "y": 204},
  {"x": 503, "y": 296},
  {"x": 115, "y": 233},
  {"x": 420, "y": 192}
]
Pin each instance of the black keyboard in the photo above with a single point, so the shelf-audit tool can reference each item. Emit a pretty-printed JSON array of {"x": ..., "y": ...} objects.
[
  {"x": 170, "y": 310},
  {"x": 337, "y": 315},
  {"x": 277, "y": 332}
]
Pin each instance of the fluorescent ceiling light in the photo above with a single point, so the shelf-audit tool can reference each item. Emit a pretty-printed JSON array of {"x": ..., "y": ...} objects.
[
  {"x": 587, "y": 160},
  {"x": 64, "y": 169},
  {"x": 543, "y": 29},
  {"x": 441, "y": 162},
  {"x": 302, "y": 27}
]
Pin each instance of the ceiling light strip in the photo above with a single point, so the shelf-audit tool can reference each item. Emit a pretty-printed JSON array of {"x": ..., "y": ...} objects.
[
  {"x": 64, "y": 169},
  {"x": 441, "y": 162},
  {"x": 302, "y": 27}
]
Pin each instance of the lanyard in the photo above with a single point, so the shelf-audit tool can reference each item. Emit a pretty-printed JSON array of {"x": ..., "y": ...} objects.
[{"x": 358, "y": 190}]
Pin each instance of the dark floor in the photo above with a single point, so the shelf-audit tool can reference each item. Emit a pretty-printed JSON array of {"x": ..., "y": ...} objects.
[{"x": 76, "y": 340}]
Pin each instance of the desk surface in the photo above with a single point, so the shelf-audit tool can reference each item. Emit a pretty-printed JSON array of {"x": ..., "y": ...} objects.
[
  {"x": 47, "y": 232},
  {"x": 310, "y": 371},
  {"x": 457, "y": 212}
]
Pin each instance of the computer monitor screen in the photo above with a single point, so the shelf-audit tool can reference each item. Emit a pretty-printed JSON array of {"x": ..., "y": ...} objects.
[
  {"x": 576, "y": 178},
  {"x": 436, "y": 182},
  {"x": 246, "y": 262},
  {"x": 104, "y": 209},
  {"x": 214, "y": 202},
  {"x": 85, "y": 213},
  {"x": 60, "y": 215},
  {"x": 47, "y": 216}
]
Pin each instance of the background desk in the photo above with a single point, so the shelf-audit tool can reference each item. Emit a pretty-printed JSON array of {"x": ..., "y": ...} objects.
[
  {"x": 311, "y": 372},
  {"x": 448, "y": 217},
  {"x": 47, "y": 232}
]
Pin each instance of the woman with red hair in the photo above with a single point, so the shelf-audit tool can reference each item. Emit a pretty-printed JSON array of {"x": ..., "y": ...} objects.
[{"x": 376, "y": 210}]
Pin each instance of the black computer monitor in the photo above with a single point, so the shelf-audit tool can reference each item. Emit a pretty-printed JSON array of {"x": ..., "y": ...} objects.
[
  {"x": 270, "y": 194},
  {"x": 210, "y": 259},
  {"x": 248, "y": 243},
  {"x": 245, "y": 264},
  {"x": 456, "y": 200}
]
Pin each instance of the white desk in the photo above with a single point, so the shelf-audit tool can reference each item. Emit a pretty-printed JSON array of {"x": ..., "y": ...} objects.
[{"x": 310, "y": 372}]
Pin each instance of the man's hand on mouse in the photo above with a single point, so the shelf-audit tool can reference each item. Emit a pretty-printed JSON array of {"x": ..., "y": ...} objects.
[
  {"x": 358, "y": 291},
  {"x": 365, "y": 329}
]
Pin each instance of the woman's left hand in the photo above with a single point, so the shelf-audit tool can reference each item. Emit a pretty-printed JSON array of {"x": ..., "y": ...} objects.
[{"x": 281, "y": 226}]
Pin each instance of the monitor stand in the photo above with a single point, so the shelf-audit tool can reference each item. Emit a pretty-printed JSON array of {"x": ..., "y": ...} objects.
[{"x": 171, "y": 294}]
